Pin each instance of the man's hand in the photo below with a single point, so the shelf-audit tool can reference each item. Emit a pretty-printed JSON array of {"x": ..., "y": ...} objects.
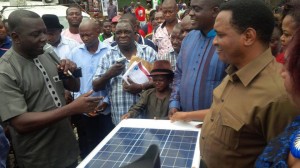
[
  {"x": 68, "y": 97},
  {"x": 115, "y": 70},
  {"x": 172, "y": 111},
  {"x": 84, "y": 103},
  {"x": 125, "y": 116},
  {"x": 66, "y": 65},
  {"x": 179, "y": 116},
  {"x": 133, "y": 88},
  {"x": 100, "y": 108}
]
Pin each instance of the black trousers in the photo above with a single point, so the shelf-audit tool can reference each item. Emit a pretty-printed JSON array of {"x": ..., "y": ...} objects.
[{"x": 91, "y": 131}]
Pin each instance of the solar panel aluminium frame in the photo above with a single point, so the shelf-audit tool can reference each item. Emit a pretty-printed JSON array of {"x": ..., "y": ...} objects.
[{"x": 152, "y": 124}]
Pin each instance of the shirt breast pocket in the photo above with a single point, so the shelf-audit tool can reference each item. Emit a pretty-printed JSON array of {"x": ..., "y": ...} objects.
[{"x": 228, "y": 130}]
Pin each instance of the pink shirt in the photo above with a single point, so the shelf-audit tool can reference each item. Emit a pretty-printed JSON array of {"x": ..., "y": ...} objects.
[
  {"x": 161, "y": 39},
  {"x": 70, "y": 35}
]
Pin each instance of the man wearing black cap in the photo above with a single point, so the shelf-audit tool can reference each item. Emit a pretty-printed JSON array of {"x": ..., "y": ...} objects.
[{"x": 61, "y": 45}]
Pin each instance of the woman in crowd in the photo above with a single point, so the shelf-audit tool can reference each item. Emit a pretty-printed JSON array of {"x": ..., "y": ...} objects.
[
  {"x": 284, "y": 151},
  {"x": 290, "y": 23}
]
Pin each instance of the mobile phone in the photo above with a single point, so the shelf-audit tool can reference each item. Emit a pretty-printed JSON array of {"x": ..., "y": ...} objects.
[{"x": 121, "y": 60}]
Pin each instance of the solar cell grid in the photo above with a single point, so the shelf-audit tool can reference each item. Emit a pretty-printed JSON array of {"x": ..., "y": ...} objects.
[{"x": 177, "y": 147}]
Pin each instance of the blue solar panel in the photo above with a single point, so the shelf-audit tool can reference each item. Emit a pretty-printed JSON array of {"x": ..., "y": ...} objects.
[{"x": 177, "y": 147}]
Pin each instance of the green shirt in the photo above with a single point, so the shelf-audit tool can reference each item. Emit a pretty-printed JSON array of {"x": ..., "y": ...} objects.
[
  {"x": 23, "y": 89},
  {"x": 150, "y": 106},
  {"x": 102, "y": 38}
]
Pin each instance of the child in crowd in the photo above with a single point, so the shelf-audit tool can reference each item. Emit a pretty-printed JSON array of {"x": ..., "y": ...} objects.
[
  {"x": 154, "y": 103},
  {"x": 177, "y": 37}
]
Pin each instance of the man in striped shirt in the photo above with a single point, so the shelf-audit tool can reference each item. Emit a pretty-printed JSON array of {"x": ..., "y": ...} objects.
[{"x": 109, "y": 72}]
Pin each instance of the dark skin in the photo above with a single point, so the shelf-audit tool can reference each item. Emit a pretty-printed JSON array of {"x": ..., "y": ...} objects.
[
  {"x": 161, "y": 83},
  {"x": 147, "y": 85},
  {"x": 3, "y": 33},
  {"x": 74, "y": 17},
  {"x": 203, "y": 16},
  {"x": 169, "y": 9},
  {"x": 53, "y": 36},
  {"x": 89, "y": 33},
  {"x": 107, "y": 30},
  {"x": 125, "y": 40},
  {"x": 28, "y": 41}
]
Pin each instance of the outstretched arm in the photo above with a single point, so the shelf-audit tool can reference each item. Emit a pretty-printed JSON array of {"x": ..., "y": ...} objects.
[
  {"x": 32, "y": 121},
  {"x": 189, "y": 116}
]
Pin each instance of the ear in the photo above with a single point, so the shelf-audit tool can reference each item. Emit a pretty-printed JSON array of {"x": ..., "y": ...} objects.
[
  {"x": 215, "y": 11},
  {"x": 249, "y": 36},
  {"x": 15, "y": 37}
]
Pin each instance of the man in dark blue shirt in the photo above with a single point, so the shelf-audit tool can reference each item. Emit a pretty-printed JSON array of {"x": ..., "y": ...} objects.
[
  {"x": 5, "y": 41},
  {"x": 199, "y": 69},
  {"x": 4, "y": 148}
]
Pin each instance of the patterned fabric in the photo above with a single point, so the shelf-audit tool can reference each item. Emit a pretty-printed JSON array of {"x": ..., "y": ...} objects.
[
  {"x": 65, "y": 46},
  {"x": 23, "y": 90},
  {"x": 172, "y": 57},
  {"x": 140, "y": 13},
  {"x": 5, "y": 46},
  {"x": 198, "y": 72},
  {"x": 48, "y": 82},
  {"x": 121, "y": 100},
  {"x": 102, "y": 38},
  {"x": 276, "y": 153},
  {"x": 110, "y": 40},
  {"x": 4, "y": 148},
  {"x": 162, "y": 40}
]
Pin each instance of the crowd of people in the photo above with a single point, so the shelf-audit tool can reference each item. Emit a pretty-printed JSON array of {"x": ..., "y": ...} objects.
[{"x": 235, "y": 65}]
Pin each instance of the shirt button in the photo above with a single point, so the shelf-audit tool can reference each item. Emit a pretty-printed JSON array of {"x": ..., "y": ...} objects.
[
  {"x": 222, "y": 100},
  {"x": 203, "y": 137},
  {"x": 212, "y": 120}
]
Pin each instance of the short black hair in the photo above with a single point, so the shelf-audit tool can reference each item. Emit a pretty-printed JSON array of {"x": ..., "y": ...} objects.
[
  {"x": 131, "y": 18},
  {"x": 295, "y": 14},
  {"x": 73, "y": 6},
  {"x": 251, "y": 13},
  {"x": 213, "y": 3},
  {"x": 16, "y": 17},
  {"x": 127, "y": 21}
]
